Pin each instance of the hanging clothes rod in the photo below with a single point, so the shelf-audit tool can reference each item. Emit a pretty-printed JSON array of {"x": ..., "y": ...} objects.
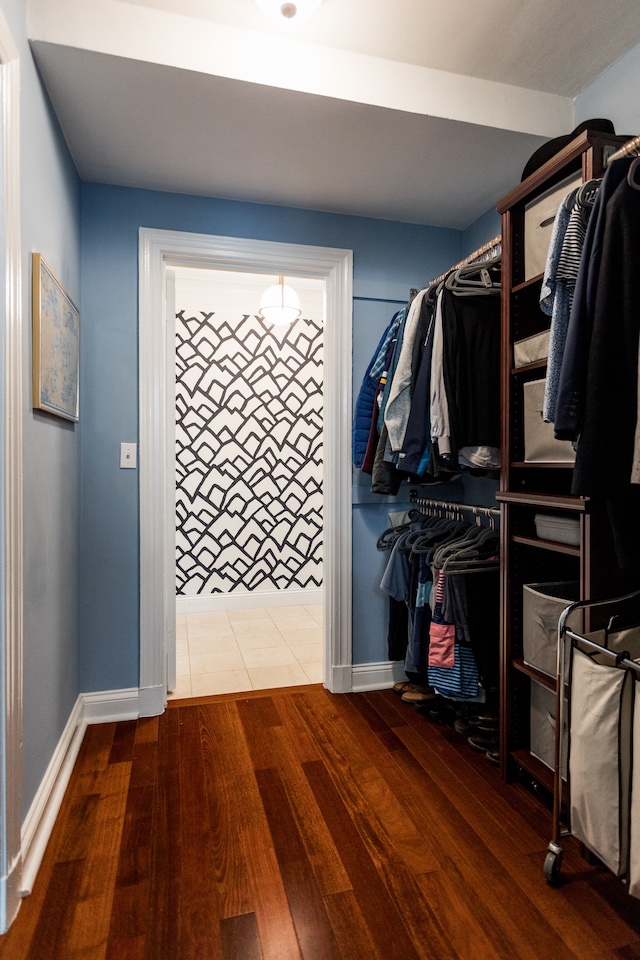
[
  {"x": 451, "y": 505},
  {"x": 629, "y": 149},
  {"x": 481, "y": 251}
]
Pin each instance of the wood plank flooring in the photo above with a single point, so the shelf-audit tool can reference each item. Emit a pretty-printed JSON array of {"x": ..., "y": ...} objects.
[{"x": 296, "y": 825}]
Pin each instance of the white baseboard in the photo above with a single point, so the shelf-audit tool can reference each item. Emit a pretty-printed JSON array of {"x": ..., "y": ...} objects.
[
  {"x": 103, "y": 707},
  {"x": 40, "y": 819},
  {"x": 110, "y": 706},
  {"x": 249, "y": 601},
  {"x": 377, "y": 676}
]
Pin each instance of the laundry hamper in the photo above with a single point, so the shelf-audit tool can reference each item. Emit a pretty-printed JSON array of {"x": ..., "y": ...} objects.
[
  {"x": 600, "y": 715},
  {"x": 603, "y": 788}
]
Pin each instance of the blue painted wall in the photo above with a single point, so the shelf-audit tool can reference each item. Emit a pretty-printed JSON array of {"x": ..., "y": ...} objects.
[
  {"x": 482, "y": 230},
  {"x": 50, "y": 225},
  {"x": 615, "y": 95},
  {"x": 389, "y": 259}
]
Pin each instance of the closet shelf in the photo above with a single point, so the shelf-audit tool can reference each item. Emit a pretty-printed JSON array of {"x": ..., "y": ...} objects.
[
  {"x": 542, "y": 678},
  {"x": 540, "y": 465},
  {"x": 531, "y": 282},
  {"x": 535, "y": 768},
  {"x": 527, "y": 367},
  {"x": 556, "y": 501},
  {"x": 550, "y": 545}
]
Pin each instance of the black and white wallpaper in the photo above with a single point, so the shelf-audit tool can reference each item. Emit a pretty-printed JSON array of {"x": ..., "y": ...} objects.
[{"x": 249, "y": 412}]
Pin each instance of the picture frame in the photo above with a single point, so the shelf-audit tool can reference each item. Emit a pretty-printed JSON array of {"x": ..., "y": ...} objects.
[{"x": 56, "y": 344}]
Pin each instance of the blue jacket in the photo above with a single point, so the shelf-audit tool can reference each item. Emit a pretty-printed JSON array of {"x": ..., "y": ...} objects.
[{"x": 363, "y": 412}]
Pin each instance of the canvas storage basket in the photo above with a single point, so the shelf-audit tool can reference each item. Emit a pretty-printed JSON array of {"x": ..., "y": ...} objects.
[
  {"x": 531, "y": 349},
  {"x": 542, "y": 604},
  {"x": 539, "y": 216},
  {"x": 542, "y": 727},
  {"x": 540, "y": 444}
]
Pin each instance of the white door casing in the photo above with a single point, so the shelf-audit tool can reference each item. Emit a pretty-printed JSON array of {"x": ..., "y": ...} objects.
[
  {"x": 11, "y": 542},
  {"x": 170, "y": 478},
  {"x": 157, "y": 250}
]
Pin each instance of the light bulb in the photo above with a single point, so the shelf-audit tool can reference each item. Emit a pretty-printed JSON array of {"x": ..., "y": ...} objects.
[
  {"x": 280, "y": 305},
  {"x": 294, "y": 12}
]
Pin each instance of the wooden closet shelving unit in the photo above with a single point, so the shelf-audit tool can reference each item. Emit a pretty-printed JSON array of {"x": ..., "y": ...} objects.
[{"x": 528, "y": 488}]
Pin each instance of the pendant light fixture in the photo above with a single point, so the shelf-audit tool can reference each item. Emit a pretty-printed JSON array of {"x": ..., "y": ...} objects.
[
  {"x": 295, "y": 11},
  {"x": 279, "y": 304}
]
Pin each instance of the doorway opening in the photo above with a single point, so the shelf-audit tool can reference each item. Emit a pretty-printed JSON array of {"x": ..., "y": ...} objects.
[
  {"x": 158, "y": 251},
  {"x": 249, "y": 484}
]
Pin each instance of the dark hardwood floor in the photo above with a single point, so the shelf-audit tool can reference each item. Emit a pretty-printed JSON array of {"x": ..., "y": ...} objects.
[{"x": 297, "y": 825}]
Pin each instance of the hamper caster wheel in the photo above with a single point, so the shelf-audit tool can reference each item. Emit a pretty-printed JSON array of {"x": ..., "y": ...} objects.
[{"x": 552, "y": 865}]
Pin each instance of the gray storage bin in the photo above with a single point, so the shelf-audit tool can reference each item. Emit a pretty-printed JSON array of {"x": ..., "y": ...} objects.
[
  {"x": 542, "y": 604},
  {"x": 550, "y": 526},
  {"x": 542, "y": 727},
  {"x": 540, "y": 444}
]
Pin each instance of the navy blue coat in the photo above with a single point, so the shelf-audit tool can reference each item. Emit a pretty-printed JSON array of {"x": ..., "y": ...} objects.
[{"x": 363, "y": 412}]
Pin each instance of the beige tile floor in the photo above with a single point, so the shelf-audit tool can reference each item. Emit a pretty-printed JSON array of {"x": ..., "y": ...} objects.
[{"x": 234, "y": 650}]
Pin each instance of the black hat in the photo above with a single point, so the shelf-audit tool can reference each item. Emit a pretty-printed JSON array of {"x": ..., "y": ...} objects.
[{"x": 549, "y": 149}]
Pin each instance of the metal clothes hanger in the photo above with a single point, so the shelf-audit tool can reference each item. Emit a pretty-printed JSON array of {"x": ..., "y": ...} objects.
[
  {"x": 475, "y": 279},
  {"x": 632, "y": 173}
]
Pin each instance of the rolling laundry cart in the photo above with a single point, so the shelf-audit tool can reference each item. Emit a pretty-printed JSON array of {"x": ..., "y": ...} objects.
[{"x": 601, "y": 671}]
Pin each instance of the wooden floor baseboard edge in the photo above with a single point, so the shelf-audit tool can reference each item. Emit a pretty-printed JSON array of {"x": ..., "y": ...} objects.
[
  {"x": 99, "y": 707},
  {"x": 43, "y": 811}
]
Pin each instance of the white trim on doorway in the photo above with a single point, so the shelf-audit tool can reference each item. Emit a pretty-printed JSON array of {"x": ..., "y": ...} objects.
[
  {"x": 257, "y": 600},
  {"x": 11, "y": 544},
  {"x": 157, "y": 250}
]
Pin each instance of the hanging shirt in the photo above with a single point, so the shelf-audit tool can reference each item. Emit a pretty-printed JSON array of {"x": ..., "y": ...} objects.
[
  {"x": 399, "y": 403},
  {"x": 555, "y": 300},
  {"x": 439, "y": 406}
]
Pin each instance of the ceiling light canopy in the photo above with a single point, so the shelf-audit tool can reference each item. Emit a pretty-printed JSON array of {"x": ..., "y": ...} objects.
[
  {"x": 280, "y": 305},
  {"x": 295, "y": 11}
]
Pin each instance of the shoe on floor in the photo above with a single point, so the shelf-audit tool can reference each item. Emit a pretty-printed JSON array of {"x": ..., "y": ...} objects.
[
  {"x": 460, "y": 725},
  {"x": 493, "y": 757},
  {"x": 407, "y": 686},
  {"x": 419, "y": 695},
  {"x": 482, "y": 743}
]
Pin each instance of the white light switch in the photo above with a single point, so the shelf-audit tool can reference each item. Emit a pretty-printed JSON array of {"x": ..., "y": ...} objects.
[{"x": 128, "y": 456}]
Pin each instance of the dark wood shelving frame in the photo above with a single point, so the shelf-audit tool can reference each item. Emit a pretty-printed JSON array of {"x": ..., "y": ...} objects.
[{"x": 530, "y": 487}]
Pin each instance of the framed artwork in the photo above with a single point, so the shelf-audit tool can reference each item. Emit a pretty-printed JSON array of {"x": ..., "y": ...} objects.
[{"x": 56, "y": 344}]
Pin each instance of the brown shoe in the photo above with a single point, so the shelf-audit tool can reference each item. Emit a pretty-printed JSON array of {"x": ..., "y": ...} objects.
[
  {"x": 419, "y": 695},
  {"x": 404, "y": 686}
]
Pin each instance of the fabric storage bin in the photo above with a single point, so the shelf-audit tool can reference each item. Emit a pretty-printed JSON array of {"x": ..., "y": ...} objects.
[
  {"x": 559, "y": 529},
  {"x": 542, "y": 727},
  {"x": 600, "y": 718},
  {"x": 540, "y": 445},
  {"x": 539, "y": 216},
  {"x": 531, "y": 349},
  {"x": 542, "y": 604}
]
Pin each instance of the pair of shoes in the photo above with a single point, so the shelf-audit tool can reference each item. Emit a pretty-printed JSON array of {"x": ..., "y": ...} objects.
[
  {"x": 463, "y": 726},
  {"x": 405, "y": 686},
  {"x": 487, "y": 724},
  {"x": 419, "y": 695},
  {"x": 483, "y": 742},
  {"x": 439, "y": 710}
]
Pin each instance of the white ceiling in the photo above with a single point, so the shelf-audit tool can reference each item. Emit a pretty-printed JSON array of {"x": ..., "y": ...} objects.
[{"x": 413, "y": 110}]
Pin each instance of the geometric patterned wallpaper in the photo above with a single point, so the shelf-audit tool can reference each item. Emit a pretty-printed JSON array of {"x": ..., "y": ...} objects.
[{"x": 249, "y": 415}]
